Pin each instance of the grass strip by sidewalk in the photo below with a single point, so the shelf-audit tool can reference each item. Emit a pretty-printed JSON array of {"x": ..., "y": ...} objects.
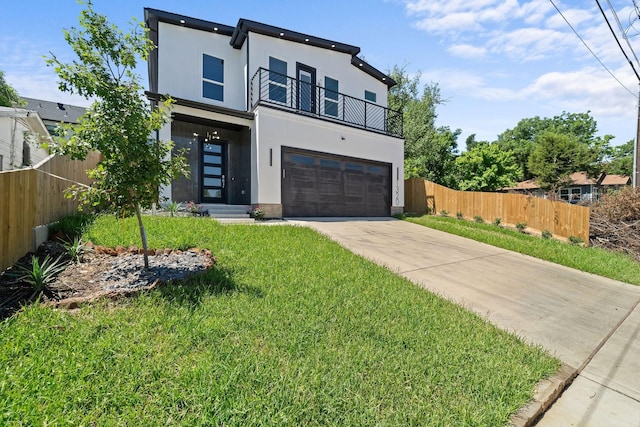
[
  {"x": 617, "y": 266},
  {"x": 288, "y": 328}
]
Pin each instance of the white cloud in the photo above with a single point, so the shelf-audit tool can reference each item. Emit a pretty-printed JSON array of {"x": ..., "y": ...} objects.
[{"x": 467, "y": 51}]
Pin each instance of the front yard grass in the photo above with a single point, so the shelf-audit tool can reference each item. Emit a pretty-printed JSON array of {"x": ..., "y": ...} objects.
[
  {"x": 288, "y": 328},
  {"x": 617, "y": 266}
]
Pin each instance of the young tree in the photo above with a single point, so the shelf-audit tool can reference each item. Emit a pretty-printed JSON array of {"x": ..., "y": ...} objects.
[
  {"x": 486, "y": 167},
  {"x": 556, "y": 156},
  {"x": 120, "y": 123},
  {"x": 8, "y": 95}
]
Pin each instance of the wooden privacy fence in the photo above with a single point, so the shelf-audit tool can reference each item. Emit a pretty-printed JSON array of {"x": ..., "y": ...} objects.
[
  {"x": 33, "y": 197},
  {"x": 560, "y": 218}
]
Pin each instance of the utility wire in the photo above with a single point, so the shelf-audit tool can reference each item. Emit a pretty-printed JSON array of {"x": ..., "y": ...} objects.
[
  {"x": 615, "y": 15},
  {"x": 592, "y": 52},
  {"x": 617, "y": 41}
]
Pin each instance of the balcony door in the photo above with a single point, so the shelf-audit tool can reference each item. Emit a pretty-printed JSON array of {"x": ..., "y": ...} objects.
[
  {"x": 213, "y": 172},
  {"x": 306, "y": 88}
]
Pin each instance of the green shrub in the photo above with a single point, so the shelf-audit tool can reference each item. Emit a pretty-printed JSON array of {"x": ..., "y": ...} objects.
[
  {"x": 71, "y": 226},
  {"x": 521, "y": 226},
  {"x": 497, "y": 222},
  {"x": 459, "y": 215},
  {"x": 444, "y": 212},
  {"x": 575, "y": 240},
  {"x": 478, "y": 219},
  {"x": 546, "y": 234}
]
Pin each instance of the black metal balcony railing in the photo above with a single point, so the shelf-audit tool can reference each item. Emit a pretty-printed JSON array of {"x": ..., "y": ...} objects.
[{"x": 279, "y": 90}]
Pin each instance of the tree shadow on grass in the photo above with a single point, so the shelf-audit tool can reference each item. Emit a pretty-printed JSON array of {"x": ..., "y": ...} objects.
[{"x": 214, "y": 281}]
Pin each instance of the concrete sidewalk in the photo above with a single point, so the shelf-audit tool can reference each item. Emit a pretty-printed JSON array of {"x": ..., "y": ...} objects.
[{"x": 590, "y": 323}]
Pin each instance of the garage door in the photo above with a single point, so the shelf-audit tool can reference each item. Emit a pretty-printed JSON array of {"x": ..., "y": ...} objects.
[{"x": 319, "y": 184}]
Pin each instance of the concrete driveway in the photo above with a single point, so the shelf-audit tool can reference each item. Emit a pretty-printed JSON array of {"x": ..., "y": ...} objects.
[{"x": 589, "y": 322}]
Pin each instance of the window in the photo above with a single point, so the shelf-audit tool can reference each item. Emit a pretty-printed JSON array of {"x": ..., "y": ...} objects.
[
  {"x": 330, "y": 96},
  {"x": 570, "y": 194},
  {"x": 26, "y": 154},
  {"x": 212, "y": 77},
  {"x": 1, "y": 162},
  {"x": 277, "y": 80},
  {"x": 370, "y": 96}
]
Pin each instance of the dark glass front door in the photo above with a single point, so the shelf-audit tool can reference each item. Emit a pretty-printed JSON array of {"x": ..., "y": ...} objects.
[{"x": 213, "y": 172}]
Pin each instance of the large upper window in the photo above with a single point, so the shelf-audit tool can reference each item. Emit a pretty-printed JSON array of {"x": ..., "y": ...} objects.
[
  {"x": 330, "y": 96},
  {"x": 277, "y": 80},
  {"x": 212, "y": 77}
]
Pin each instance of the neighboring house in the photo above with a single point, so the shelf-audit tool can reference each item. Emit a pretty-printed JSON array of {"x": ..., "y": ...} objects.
[
  {"x": 293, "y": 123},
  {"x": 53, "y": 113},
  {"x": 21, "y": 131},
  {"x": 582, "y": 187}
]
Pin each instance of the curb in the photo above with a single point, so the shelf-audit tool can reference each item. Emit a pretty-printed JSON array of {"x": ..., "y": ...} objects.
[{"x": 547, "y": 392}]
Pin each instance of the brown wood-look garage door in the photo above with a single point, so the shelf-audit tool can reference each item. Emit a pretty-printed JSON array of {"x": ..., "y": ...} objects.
[{"x": 319, "y": 184}]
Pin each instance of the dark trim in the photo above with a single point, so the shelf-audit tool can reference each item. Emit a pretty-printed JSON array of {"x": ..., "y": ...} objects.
[
  {"x": 303, "y": 67},
  {"x": 246, "y": 25},
  {"x": 202, "y": 106},
  {"x": 372, "y": 71},
  {"x": 154, "y": 16},
  {"x": 186, "y": 118}
]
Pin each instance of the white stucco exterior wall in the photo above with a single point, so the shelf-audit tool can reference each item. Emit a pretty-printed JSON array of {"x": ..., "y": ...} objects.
[
  {"x": 180, "y": 51},
  {"x": 276, "y": 129}
]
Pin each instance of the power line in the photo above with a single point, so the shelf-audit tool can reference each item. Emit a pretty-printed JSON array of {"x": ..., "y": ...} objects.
[
  {"x": 615, "y": 15},
  {"x": 616, "y": 39},
  {"x": 592, "y": 52}
]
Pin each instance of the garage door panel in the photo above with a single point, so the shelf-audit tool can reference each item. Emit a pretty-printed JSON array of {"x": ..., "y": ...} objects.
[{"x": 320, "y": 184}]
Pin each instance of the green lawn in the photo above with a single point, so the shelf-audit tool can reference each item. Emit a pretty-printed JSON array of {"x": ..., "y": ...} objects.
[
  {"x": 287, "y": 329},
  {"x": 617, "y": 266}
]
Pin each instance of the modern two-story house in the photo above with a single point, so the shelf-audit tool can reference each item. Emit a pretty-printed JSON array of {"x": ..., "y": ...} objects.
[{"x": 296, "y": 124}]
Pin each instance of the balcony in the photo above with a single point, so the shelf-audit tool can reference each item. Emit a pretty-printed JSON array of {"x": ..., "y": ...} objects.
[{"x": 300, "y": 97}]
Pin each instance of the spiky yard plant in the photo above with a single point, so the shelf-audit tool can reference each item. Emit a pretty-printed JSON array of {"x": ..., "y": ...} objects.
[{"x": 40, "y": 275}]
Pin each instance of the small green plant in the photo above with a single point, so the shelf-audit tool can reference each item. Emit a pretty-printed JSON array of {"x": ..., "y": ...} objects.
[
  {"x": 521, "y": 226},
  {"x": 444, "y": 212},
  {"x": 173, "y": 207},
  {"x": 459, "y": 215},
  {"x": 478, "y": 219},
  {"x": 258, "y": 213},
  {"x": 40, "y": 275},
  {"x": 497, "y": 222},
  {"x": 75, "y": 250},
  {"x": 70, "y": 226},
  {"x": 546, "y": 234},
  {"x": 575, "y": 240}
]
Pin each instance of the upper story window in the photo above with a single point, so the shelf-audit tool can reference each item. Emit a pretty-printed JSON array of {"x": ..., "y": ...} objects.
[
  {"x": 330, "y": 96},
  {"x": 212, "y": 77},
  {"x": 277, "y": 80},
  {"x": 370, "y": 96}
]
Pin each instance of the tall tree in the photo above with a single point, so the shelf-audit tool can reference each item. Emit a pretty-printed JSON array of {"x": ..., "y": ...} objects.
[
  {"x": 556, "y": 156},
  {"x": 8, "y": 95},
  {"x": 486, "y": 167},
  {"x": 120, "y": 123},
  {"x": 429, "y": 151}
]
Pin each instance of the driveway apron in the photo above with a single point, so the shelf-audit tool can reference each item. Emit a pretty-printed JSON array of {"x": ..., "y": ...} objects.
[{"x": 589, "y": 322}]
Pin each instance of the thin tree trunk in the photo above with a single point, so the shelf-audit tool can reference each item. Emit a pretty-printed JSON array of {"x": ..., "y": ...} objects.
[{"x": 143, "y": 235}]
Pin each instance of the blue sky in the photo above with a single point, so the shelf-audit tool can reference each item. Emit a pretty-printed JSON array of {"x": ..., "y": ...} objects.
[{"x": 496, "y": 61}]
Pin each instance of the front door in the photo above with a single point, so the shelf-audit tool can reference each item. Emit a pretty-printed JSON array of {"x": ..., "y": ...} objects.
[
  {"x": 213, "y": 172},
  {"x": 306, "y": 88}
]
